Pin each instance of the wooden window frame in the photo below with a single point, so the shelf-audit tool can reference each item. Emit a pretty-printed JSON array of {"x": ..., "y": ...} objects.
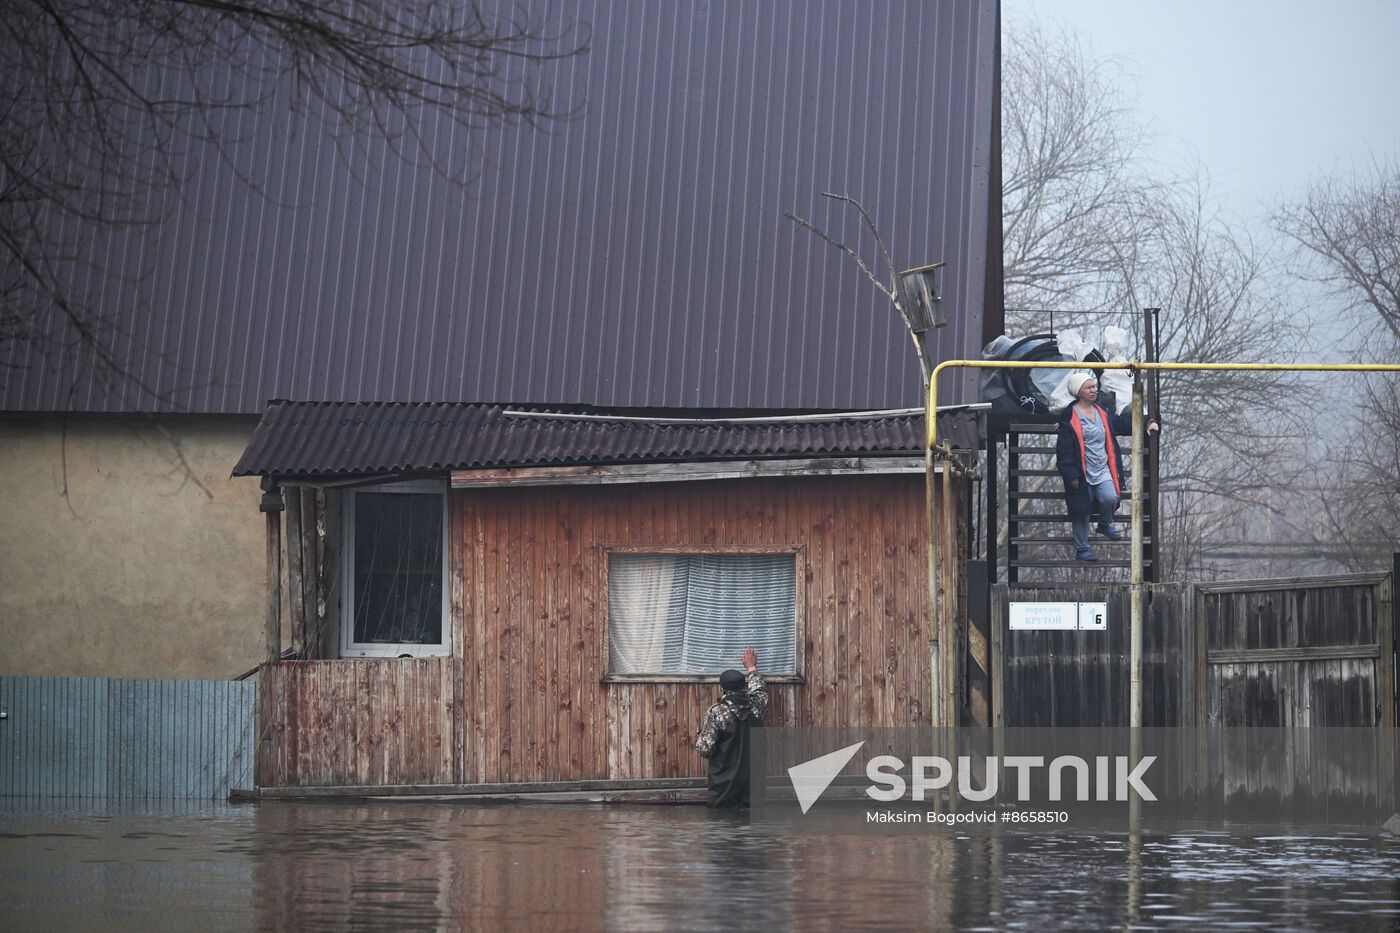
[
  {"x": 351, "y": 649},
  {"x": 799, "y": 567}
]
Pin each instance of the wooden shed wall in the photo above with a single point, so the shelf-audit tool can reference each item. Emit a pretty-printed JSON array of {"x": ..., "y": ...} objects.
[
  {"x": 535, "y": 617},
  {"x": 523, "y": 699}
]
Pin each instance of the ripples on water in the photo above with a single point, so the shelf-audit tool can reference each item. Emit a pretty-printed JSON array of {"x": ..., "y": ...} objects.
[{"x": 414, "y": 865}]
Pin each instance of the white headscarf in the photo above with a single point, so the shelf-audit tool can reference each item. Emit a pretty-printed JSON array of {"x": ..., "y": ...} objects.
[{"x": 1067, "y": 390}]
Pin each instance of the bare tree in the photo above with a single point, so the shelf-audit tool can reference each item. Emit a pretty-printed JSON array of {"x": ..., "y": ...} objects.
[
  {"x": 1072, "y": 181},
  {"x": 1222, "y": 455},
  {"x": 1346, "y": 228},
  {"x": 98, "y": 100},
  {"x": 1094, "y": 233}
]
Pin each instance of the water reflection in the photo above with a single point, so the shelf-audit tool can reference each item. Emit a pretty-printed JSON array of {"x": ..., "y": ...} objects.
[{"x": 423, "y": 865}]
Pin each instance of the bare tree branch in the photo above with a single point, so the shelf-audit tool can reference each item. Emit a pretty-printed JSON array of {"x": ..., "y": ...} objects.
[
  {"x": 99, "y": 103},
  {"x": 879, "y": 240},
  {"x": 887, "y": 291}
]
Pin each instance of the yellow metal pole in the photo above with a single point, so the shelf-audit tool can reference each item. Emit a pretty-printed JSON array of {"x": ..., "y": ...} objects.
[
  {"x": 934, "y": 648},
  {"x": 947, "y": 631},
  {"x": 1135, "y": 613}
]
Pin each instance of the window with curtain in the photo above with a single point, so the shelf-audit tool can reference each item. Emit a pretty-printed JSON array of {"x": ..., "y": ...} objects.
[
  {"x": 396, "y": 585},
  {"x": 696, "y": 613}
]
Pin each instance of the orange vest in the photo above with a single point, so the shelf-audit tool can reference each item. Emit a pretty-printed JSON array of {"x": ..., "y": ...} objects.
[{"x": 1107, "y": 443}]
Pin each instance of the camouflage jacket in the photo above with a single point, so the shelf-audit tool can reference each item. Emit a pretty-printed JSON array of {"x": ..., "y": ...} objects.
[{"x": 733, "y": 706}]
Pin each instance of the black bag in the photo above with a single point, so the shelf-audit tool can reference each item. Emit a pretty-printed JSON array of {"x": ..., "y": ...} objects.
[{"x": 1025, "y": 390}]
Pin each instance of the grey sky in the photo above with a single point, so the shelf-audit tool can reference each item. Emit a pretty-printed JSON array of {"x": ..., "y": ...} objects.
[{"x": 1264, "y": 93}]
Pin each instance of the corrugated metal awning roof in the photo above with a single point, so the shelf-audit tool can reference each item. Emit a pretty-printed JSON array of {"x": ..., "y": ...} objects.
[{"x": 329, "y": 438}]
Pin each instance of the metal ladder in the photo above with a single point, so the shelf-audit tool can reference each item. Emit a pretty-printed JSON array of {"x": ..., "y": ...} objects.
[{"x": 1038, "y": 534}]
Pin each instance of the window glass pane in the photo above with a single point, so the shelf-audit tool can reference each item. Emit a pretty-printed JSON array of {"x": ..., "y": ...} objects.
[
  {"x": 695, "y": 613},
  {"x": 737, "y": 600},
  {"x": 398, "y": 568}
]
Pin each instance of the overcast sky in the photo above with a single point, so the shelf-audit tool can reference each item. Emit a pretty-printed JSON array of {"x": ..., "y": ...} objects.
[{"x": 1263, "y": 93}]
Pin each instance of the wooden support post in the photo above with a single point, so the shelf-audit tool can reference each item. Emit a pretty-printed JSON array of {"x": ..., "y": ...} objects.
[
  {"x": 297, "y": 566},
  {"x": 977, "y": 611},
  {"x": 274, "y": 585},
  {"x": 996, "y": 616},
  {"x": 272, "y": 507},
  {"x": 1386, "y": 625},
  {"x": 1385, "y": 686}
]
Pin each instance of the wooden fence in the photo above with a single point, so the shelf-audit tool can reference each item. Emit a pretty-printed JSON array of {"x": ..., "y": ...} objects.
[
  {"x": 1308, "y": 652},
  {"x": 1265, "y": 665},
  {"x": 1080, "y": 678},
  {"x": 1297, "y": 652},
  {"x": 99, "y": 737}
]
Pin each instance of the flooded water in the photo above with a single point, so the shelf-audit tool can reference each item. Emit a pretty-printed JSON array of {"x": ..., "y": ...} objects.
[{"x": 414, "y": 865}]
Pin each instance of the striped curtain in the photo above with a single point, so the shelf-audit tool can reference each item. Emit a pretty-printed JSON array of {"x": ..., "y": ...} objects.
[{"x": 696, "y": 613}]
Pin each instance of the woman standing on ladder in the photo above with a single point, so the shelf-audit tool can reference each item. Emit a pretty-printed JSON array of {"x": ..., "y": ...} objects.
[{"x": 1087, "y": 456}]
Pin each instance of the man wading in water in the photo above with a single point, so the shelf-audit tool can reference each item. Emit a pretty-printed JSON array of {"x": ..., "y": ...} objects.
[{"x": 724, "y": 736}]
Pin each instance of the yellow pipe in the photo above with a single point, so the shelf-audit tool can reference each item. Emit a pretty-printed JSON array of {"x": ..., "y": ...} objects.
[
  {"x": 1066, "y": 364},
  {"x": 1135, "y": 598}
]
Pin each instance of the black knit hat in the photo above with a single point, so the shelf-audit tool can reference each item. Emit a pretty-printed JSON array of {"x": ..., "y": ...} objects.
[{"x": 733, "y": 680}]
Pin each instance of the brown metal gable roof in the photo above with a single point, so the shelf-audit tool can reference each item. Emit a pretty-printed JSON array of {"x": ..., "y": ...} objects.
[
  {"x": 634, "y": 255},
  {"x": 321, "y": 439}
]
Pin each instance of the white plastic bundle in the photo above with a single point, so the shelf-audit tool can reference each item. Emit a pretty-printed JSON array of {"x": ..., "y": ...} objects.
[
  {"x": 1116, "y": 343},
  {"x": 1072, "y": 344}
]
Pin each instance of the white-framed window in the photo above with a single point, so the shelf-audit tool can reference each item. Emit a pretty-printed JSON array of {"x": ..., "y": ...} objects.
[
  {"x": 395, "y": 599},
  {"x": 691, "y": 614}
]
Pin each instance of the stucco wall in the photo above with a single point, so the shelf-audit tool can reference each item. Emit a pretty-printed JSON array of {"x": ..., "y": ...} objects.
[{"x": 136, "y": 571}]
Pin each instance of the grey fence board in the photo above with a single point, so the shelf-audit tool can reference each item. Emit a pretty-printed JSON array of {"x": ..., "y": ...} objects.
[
  {"x": 1072, "y": 678},
  {"x": 113, "y": 737},
  {"x": 1306, "y": 651},
  {"x": 1299, "y": 653}
]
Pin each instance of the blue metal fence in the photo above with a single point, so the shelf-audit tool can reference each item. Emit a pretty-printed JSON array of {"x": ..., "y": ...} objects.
[{"x": 103, "y": 737}]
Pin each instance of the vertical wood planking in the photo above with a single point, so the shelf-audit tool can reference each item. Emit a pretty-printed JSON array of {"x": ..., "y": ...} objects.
[
  {"x": 459, "y": 573},
  {"x": 1080, "y": 678},
  {"x": 536, "y": 607},
  {"x": 363, "y": 722},
  {"x": 521, "y": 700},
  {"x": 1335, "y": 692},
  {"x": 474, "y": 615}
]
